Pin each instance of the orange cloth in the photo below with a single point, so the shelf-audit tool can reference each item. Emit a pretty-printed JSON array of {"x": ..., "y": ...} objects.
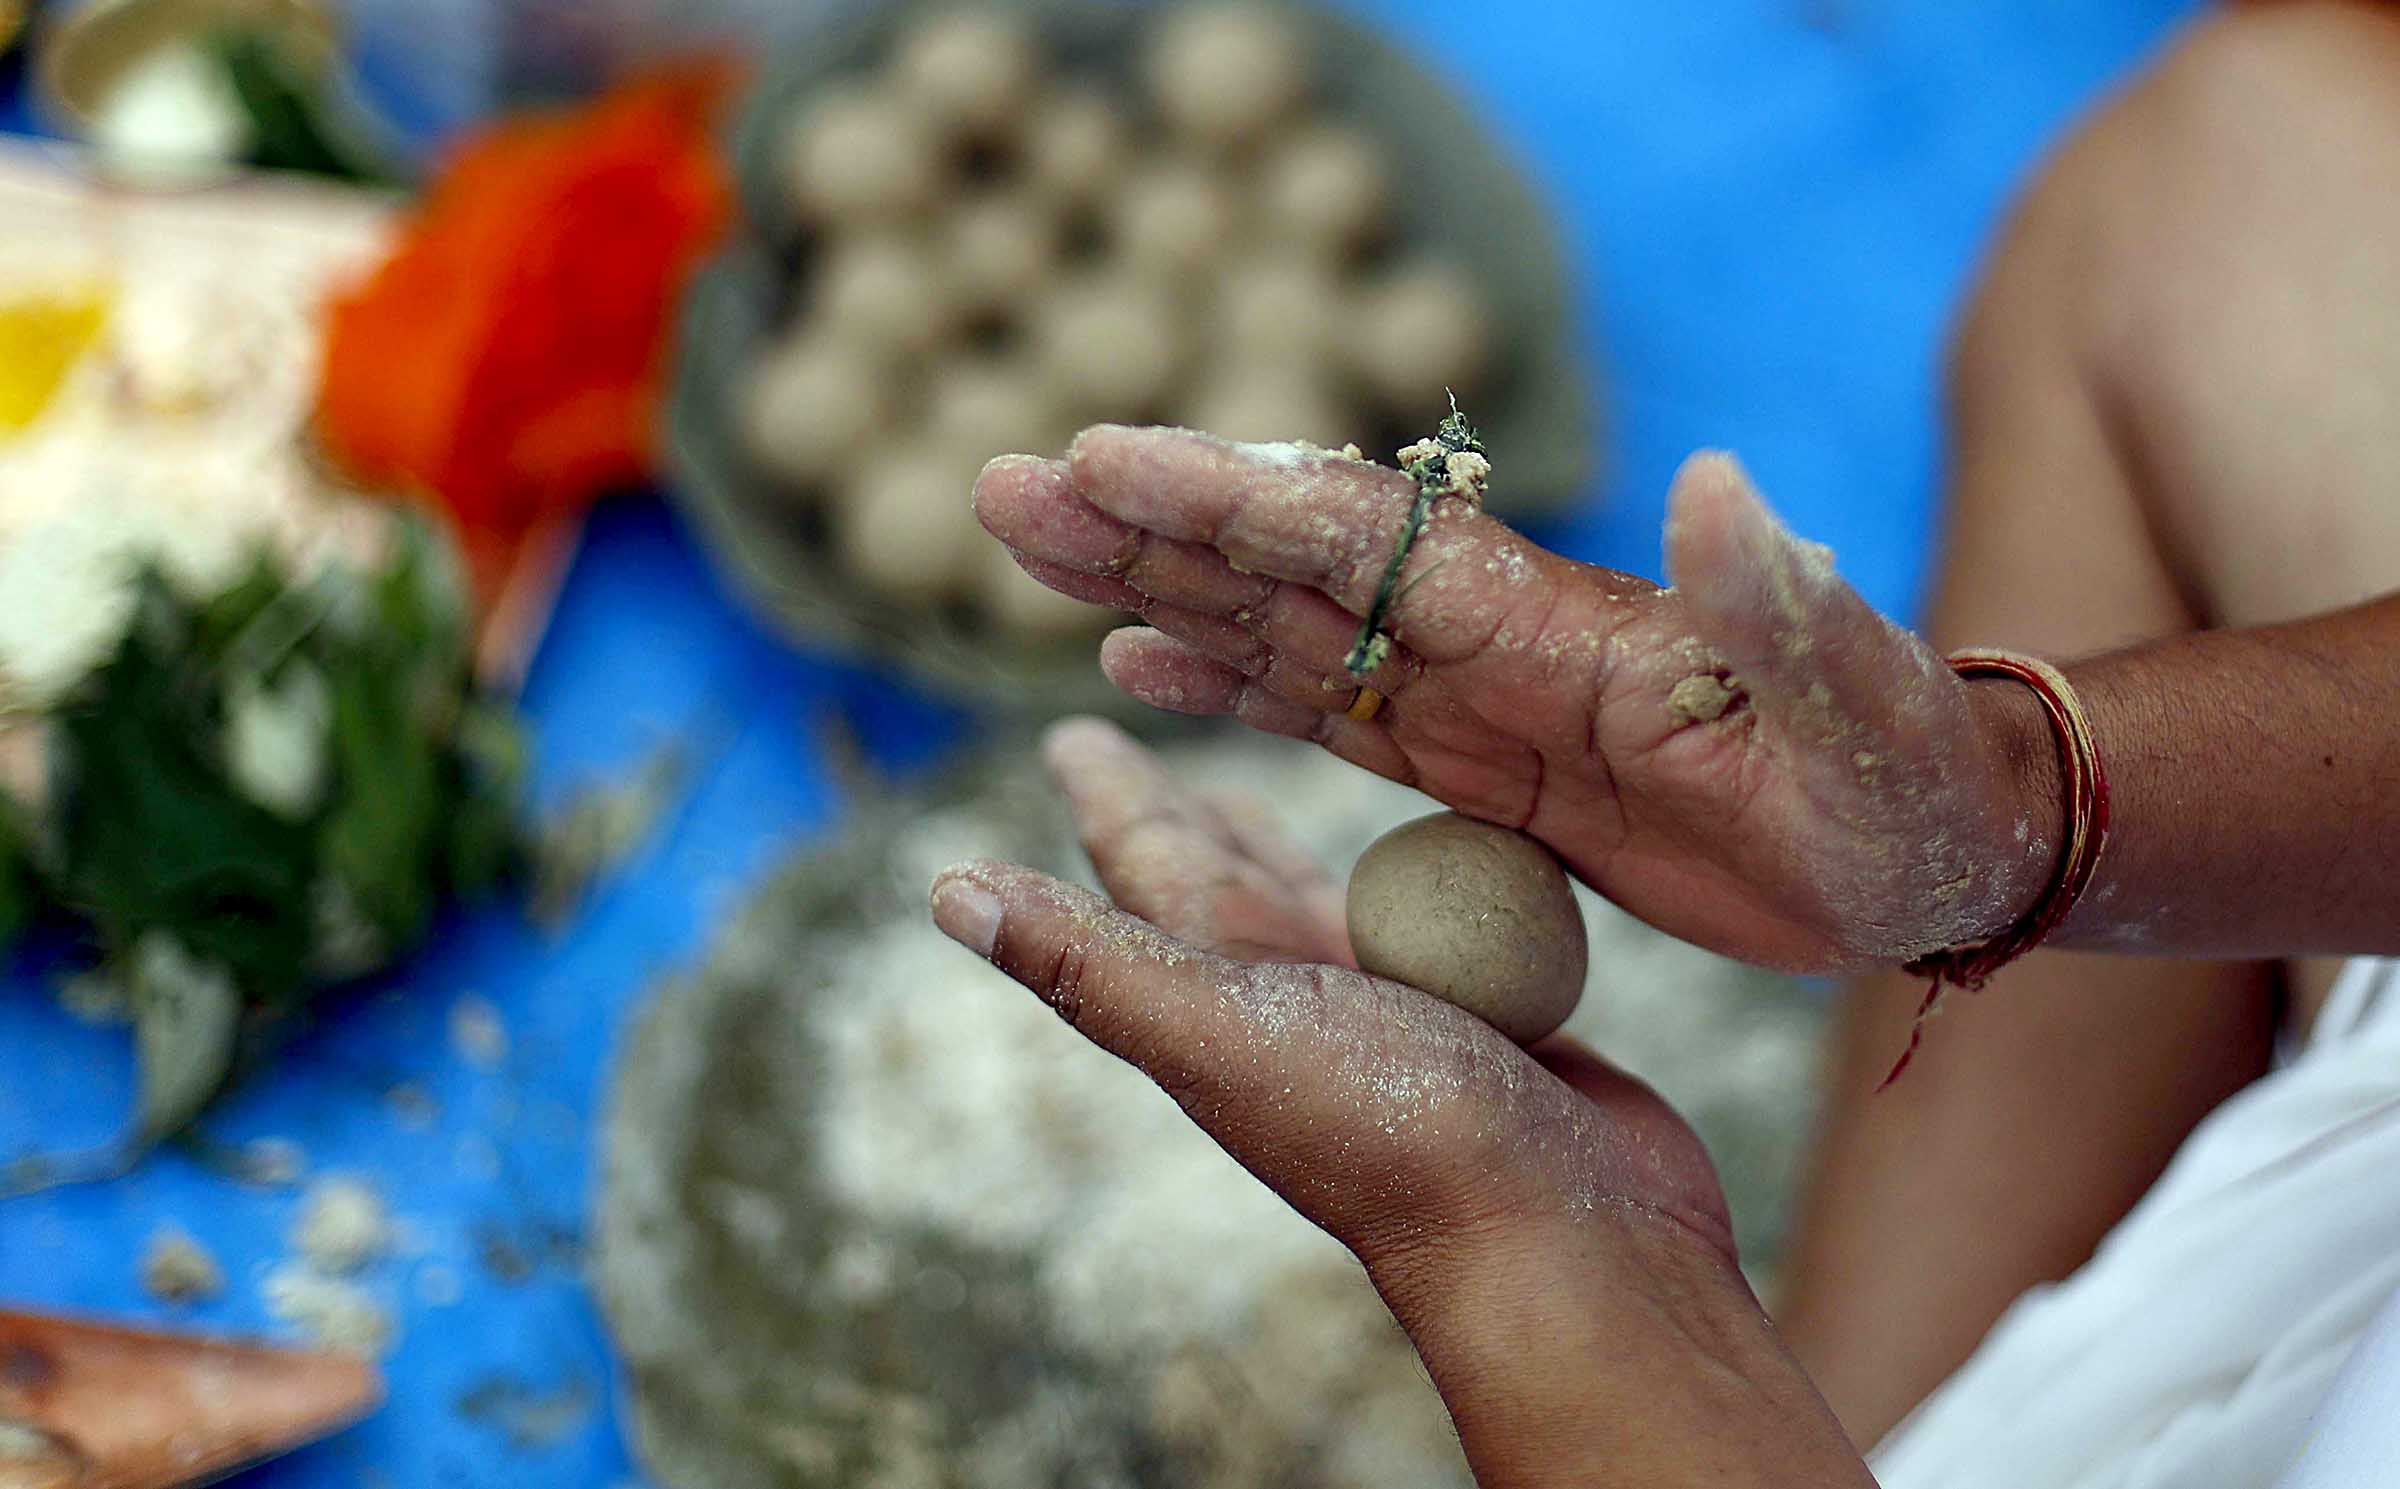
[{"x": 507, "y": 358}]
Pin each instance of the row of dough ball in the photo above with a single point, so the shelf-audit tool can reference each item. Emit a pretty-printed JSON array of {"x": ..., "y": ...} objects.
[
  {"x": 1117, "y": 344},
  {"x": 1220, "y": 77},
  {"x": 857, "y": 162}
]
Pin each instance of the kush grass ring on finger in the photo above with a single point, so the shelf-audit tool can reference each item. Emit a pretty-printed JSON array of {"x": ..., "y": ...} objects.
[{"x": 1364, "y": 705}]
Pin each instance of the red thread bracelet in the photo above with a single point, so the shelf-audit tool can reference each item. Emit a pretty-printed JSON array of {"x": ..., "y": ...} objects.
[{"x": 1971, "y": 965}]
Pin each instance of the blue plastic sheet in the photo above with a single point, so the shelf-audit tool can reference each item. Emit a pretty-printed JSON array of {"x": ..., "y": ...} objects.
[{"x": 1772, "y": 203}]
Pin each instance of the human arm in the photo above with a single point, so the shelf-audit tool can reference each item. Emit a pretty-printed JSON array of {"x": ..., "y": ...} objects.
[
  {"x": 1753, "y": 760},
  {"x": 1547, "y": 1230}
]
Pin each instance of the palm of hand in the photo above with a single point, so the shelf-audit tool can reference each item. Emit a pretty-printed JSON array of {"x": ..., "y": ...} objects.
[{"x": 1522, "y": 1129}]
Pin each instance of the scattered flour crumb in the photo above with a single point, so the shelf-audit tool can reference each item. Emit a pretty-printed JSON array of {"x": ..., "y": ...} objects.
[
  {"x": 342, "y": 1226},
  {"x": 338, "y": 1315},
  {"x": 272, "y": 1161},
  {"x": 477, "y": 1031},
  {"x": 1700, "y": 698},
  {"x": 177, "y": 1269}
]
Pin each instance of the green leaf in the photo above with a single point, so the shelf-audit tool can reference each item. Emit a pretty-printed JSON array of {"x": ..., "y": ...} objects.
[
  {"x": 150, "y": 833},
  {"x": 187, "y": 1016}
]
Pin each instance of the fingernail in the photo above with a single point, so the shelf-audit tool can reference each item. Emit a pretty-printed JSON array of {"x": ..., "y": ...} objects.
[{"x": 968, "y": 913}]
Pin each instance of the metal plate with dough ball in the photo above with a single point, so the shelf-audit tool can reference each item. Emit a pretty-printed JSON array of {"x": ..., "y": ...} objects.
[
  {"x": 870, "y": 1214},
  {"x": 1468, "y": 204}
]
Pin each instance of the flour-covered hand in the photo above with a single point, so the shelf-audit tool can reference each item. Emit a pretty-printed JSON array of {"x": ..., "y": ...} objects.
[{"x": 1753, "y": 759}]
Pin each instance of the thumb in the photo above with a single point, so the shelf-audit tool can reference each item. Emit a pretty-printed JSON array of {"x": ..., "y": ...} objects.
[{"x": 1813, "y": 655}]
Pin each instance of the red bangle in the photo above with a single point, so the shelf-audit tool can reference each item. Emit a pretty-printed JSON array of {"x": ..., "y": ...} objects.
[{"x": 1970, "y": 966}]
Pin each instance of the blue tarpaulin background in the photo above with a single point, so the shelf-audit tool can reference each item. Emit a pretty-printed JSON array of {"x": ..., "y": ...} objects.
[{"x": 1772, "y": 205}]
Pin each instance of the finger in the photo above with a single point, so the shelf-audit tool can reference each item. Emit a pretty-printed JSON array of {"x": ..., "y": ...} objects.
[
  {"x": 1032, "y": 506},
  {"x": 1166, "y": 854},
  {"x": 1360, "y": 1101},
  {"x": 1172, "y": 675},
  {"x": 1328, "y": 522},
  {"x": 1253, "y": 826},
  {"x": 1176, "y": 676},
  {"x": 1809, "y": 650},
  {"x": 1064, "y": 542}
]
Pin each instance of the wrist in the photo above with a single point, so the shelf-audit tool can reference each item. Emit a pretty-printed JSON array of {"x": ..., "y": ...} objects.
[
  {"x": 1616, "y": 1346},
  {"x": 2029, "y": 787}
]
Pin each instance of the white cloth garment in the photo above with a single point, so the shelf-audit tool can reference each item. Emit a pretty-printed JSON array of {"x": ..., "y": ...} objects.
[{"x": 2199, "y": 1348}]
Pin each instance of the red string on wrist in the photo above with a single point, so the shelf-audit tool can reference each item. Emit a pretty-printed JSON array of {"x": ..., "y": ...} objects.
[{"x": 1970, "y": 966}]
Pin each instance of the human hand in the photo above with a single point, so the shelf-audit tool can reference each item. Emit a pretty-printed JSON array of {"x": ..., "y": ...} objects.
[
  {"x": 1753, "y": 760},
  {"x": 1550, "y": 1233}
]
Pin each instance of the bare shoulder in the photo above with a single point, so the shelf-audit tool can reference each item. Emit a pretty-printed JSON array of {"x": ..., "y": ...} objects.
[{"x": 2221, "y": 241}]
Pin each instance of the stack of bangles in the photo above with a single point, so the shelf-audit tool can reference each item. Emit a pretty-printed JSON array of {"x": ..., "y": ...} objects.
[{"x": 1970, "y": 966}]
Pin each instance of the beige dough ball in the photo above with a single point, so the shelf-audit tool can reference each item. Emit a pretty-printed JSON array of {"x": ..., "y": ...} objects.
[
  {"x": 1269, "y": 401},
  {"x": 906, "y": 524},
  {"x": 982, "y": 407},
  {"x": 999, "y": 250},
  {"x": 1074, "y": 148},
  {"x": 856, "y": 157},
  {"x": 1475, "y": 914},
  {"x": 1025, "y": 608},
  {"x": 1223, "y": 75},
  {"x": 1283, "y": 306},
  {"x": 972, "y": 71},
  {"x": 1109, "y": 347},
  {"x": 1174, "y": 220},
  {"x": 809, "y": 405},
  {"x": 1324, "y": 191},
  {"x": 885, "y": 291},
  {"x": 1416, "y": 332}
]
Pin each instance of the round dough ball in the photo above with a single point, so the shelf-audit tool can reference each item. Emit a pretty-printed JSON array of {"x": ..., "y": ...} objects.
[
  {"x": 906, "y": 525},
  {"x": 972, "y": 71},
  {"x": 1282, "y": 306},
  {"x": 1074, "y": 148},
  {"x": 857, "y": 156},
  {"x": 1025, "y": 608},
  {"x": 983, "y": 407},
  {"x": 1223, "y": 75},
  {"x": 999, "y": 250},
  {"x": 1109, "y": 347},
  {"x": 1419, "y": 331},
  {"x": 1475, "y": 914},
  {"x": 1174, "y": 220},
  {"x": 885, "y": 291},
  {"x": 809, "y": 405},
  {"x": 1269, "y": 401},
  {"x": 1325, "y": 191}
]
